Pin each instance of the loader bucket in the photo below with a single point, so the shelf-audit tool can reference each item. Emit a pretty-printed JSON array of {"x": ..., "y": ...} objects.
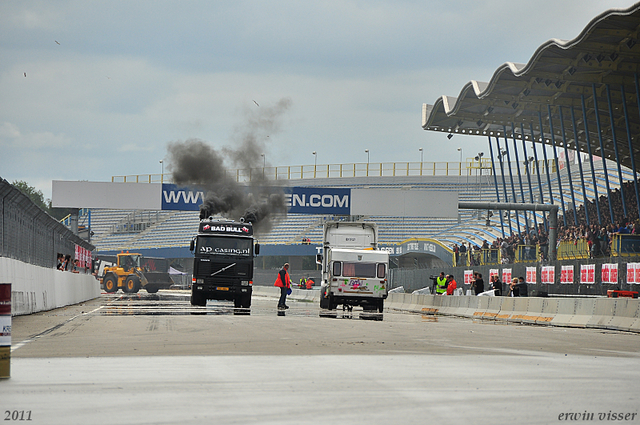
[{"x": 157, "y": 280}]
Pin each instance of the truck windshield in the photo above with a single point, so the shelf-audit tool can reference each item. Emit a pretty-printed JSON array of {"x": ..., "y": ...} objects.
[
  {"x": 221, "y": 245},
  {"x": 359, "y": 270}
]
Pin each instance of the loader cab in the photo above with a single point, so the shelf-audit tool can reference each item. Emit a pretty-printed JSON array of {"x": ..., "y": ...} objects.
[{"x": 128, "y": 261}]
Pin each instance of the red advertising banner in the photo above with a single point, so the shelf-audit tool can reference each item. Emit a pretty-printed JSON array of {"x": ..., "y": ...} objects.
[
  {"x": 566, "y": 274},
  {"x": 506, "y": 275},
  {"x": 531, "y": 275},
  {"x": 610, "y": 273},
  {"x": 83, "y": 256},
  {"x": 548, "y": 274},
  {"x": 468, "y": 276},
  {"x": 588, "y": 274},
  {"x": 631, "y": 272}
]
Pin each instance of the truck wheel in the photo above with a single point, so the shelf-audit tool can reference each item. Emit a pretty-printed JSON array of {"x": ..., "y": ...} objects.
[
  {"x": 332, "y": 303},
  {"x": 324, "y": 302},
  {"x": 198, "y": 299},
  {"x": 132, "y": 284},
  {"x": 110, "y": 284},
  {"x": 381, "y": 306},
  {"x": 246, "y": 301}
]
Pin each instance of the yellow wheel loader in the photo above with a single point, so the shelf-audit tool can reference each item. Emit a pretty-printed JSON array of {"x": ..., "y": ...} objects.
[{"x": 129, "y": 274}]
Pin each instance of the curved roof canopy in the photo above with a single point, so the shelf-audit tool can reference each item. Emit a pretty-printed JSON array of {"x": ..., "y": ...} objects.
[{"x": 592, "y": 79}]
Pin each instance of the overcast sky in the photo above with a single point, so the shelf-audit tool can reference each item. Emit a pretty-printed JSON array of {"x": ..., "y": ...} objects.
[{"x": 110, "y": 83}]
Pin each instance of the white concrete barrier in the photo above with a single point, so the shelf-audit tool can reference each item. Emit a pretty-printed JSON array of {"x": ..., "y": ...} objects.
[
  {"x": 493, "y": 308},
  {"x": 35, "y": 288},
  {"x": 394, "y": 300},
  {"x": 447, "y": 304},
  {"x": 472, "y": 307},
  {"x": 603, "y": 312},
  {"x": 533, "y": 310},
  {"x": 566, "y": 311},
  {"x": 549, "y": 310},
  {"x": 416, "y": 302},
  {"x": 583, "y": 312},
  {"x": 626, "y": 315},
  {"x": 483, "y": 306},
  {"x": 506, "y": 308}
]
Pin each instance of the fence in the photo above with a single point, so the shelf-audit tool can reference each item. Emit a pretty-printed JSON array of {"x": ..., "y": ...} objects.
[
  {"x": 621, "y": 246},
  {"x": 469, "y": 168},
  {"x": 29, "y": 234}
]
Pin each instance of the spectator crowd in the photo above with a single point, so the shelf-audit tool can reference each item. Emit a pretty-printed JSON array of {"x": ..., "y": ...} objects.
[{"x": 536, "y": 238}]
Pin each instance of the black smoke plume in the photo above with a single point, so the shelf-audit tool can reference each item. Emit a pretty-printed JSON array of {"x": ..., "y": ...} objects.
[{"x": 195, "y": 163}]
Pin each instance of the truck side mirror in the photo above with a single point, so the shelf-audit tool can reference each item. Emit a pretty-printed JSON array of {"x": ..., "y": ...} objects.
[
  {"x": 192, "y": 245},
  {"x": 319, "y": 259},
  {"x": 256, "y": 248}
]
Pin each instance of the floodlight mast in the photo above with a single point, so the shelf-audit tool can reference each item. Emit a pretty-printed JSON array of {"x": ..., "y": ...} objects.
[{"x": 553, "y": 216}]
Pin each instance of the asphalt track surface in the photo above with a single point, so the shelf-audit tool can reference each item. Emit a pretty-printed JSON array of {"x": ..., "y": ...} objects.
[{"x": 155, "y": 359}]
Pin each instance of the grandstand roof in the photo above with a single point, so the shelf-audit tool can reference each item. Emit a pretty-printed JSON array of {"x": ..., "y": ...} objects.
[{"x": 560, "y": 77}]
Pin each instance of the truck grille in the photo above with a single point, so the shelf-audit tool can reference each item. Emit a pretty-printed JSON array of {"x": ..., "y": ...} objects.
[{"x": 240, "y": 270}]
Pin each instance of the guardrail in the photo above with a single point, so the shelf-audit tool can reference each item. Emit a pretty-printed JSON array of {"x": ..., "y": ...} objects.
[
  {"x": 469, "y": 168},
  {"x": 625, "y": 245},
  {"x": 622, "y": 246}
]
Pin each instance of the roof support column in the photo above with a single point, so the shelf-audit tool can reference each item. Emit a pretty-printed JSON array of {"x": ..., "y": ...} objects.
[
  {"x": 604, "y": 161},
  {"x": 515, "y": 149},
  {"x": 535, "y": 156},
  {"x": 579, "y": 154},
  {"x": 495, "y": 179},
  {"x": 593, "y": 173},
  {"x": 631, "y": 153},
  {"x": 504, "y": 184},
  {"x": 513, "y": 189},
  {"x": 615, "y": 147},
  {"x": 555, "y": 157},
  {"x": 546, "y": 161},
  {"x": 527, "y": 162},
  {"x": 567, "y": 162}
]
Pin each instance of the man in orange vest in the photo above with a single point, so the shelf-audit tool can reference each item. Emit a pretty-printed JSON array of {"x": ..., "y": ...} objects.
[
  {"x": 283, "y": 281},
  {"x": 451, "y": 285}
]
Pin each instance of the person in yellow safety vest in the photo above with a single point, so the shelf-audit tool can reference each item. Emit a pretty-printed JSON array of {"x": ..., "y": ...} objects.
[
  {"x": 441, "y": 284},
  {"x": 303, "y": 282},
  {"x": 283, "y": 281}
]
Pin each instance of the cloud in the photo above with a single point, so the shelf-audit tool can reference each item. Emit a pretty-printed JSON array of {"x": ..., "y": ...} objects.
[
  {"x": 128, "y": 77},
  {"x": 11, "y": 137},
  {"x": 9, "y": 131},
  {"x": 133, "y": 147}
]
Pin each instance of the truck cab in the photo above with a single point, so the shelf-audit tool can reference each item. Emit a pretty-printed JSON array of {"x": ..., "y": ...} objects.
[{"x": 223, "y": 262}]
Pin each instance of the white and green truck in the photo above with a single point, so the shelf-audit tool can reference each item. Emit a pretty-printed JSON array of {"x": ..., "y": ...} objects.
[{"x": 354, "y": 270}]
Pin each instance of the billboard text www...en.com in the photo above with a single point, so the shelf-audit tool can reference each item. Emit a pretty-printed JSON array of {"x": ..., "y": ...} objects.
[{"x": 299, "y": 200}]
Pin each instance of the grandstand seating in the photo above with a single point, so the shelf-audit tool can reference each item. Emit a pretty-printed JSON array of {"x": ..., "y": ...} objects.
[{"x": 176, "y": 228}]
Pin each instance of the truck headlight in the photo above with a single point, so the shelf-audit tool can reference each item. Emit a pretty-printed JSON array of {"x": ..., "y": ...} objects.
[
  {"x": 244, "y": 283},
  {"x": 200, "y": 280}
]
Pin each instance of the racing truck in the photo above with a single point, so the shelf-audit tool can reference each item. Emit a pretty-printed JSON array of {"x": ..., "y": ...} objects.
[
  {"x": 354, "y": 270},
  {"x": 131, "y": 275},
  {"x": 223, "y": 262}
]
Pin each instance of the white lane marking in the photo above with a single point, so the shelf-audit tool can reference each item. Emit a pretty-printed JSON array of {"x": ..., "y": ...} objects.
[{"x": 21, "y": 344}]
